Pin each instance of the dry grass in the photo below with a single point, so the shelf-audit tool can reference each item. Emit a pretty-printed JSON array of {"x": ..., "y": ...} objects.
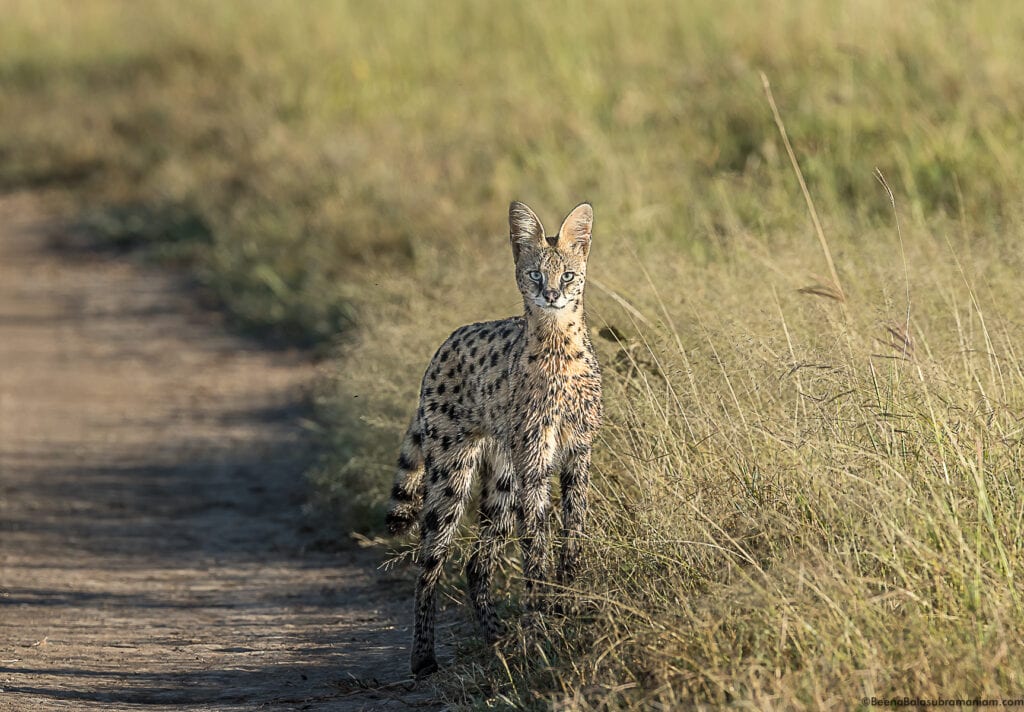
[
  {"x": 792, "y": 508},
  {"x": 808, "y": 489}
]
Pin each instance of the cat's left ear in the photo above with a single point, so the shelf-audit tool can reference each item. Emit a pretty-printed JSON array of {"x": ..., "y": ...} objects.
[{"x": 574, "y": 235}]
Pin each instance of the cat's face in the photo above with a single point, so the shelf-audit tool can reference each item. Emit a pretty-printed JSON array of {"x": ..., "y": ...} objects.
[{"x": 550, "y": 271}]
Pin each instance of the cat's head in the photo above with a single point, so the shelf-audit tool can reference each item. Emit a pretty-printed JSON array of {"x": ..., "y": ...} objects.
[{"x": 550, "y": 271}]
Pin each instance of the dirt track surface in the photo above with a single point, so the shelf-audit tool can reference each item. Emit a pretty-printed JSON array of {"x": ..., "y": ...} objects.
[{"x": 150, "y": 494}]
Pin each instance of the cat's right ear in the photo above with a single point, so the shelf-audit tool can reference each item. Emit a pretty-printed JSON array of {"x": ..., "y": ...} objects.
[{"x": 524, "y": 228}]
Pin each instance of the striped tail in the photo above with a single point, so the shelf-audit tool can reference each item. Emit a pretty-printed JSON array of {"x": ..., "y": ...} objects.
[{"x": 407, "y": 492}]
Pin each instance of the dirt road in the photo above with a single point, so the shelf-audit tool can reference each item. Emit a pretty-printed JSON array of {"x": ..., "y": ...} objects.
[{"x": 150, "y": 493}]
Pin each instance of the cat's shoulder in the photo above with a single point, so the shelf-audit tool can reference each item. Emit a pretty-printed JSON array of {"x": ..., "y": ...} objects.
[{"x": 486, "y": 330}]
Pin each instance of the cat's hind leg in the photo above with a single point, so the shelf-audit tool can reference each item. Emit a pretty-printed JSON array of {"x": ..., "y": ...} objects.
[{"x": 449, "y": 477}]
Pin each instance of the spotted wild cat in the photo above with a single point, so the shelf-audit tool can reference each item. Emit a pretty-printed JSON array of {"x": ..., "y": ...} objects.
[{"x": 515, "y": 400}]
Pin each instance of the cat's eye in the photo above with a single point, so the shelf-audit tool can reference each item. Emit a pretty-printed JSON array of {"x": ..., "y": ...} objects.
[
  {"x": 568, "y": 276},
  {"x": 534, "y": 275}
]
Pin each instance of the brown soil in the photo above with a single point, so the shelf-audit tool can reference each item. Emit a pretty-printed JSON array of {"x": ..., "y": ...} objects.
[{"x": 151, "y": 545}]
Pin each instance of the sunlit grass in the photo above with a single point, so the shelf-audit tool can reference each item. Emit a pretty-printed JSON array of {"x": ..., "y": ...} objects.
[{"x": 797, "y": 502}]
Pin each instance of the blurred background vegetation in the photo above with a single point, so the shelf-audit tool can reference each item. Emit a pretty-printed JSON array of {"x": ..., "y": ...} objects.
[{"x": 799, "y": 501}]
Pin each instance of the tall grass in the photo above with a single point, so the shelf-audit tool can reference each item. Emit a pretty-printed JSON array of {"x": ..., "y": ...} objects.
[
  {"x": 791, "y": 508},
  {"x": 798, "y": 502}
]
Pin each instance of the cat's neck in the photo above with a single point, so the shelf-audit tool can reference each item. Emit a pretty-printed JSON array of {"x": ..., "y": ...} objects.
[{"x": 556, "y": 328}]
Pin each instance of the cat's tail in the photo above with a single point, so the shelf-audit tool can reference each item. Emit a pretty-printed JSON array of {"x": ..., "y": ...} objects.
[{"x": 407, "y": 492}]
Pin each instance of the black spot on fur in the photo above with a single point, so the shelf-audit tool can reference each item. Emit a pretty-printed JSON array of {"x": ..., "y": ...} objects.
[
  {"x": 430, "y": 523},
  {"x": 405, "y": 462},
  {"x": 400, "y": 495}
]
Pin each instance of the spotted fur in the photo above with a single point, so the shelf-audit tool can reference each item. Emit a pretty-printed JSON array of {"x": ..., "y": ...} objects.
[{"x": 514, "y": 400}]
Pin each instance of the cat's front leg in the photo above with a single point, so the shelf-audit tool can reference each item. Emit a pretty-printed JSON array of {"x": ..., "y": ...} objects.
[
  {"x": 575, "y": 481},
  {"x": 533, "y": 513},
  {"x": 574, "y": 484}
]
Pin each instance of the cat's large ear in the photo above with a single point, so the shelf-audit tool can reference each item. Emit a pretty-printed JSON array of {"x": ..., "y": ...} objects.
[
  {"x": 574, "y": 235},
  {"x": 524, "y": 228}
]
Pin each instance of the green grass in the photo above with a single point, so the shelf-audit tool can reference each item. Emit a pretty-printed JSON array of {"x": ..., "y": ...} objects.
[{"x": 797, "y": 502}]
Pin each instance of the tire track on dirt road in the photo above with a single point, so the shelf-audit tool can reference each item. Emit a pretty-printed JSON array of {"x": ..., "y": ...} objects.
[{"x": 150, "y": 493}]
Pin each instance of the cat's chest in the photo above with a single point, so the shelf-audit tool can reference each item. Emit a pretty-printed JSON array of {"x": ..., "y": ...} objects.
[{"x": 552, "y": 376}]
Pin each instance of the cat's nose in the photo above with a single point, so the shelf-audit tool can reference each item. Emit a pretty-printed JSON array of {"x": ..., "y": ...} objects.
[{"x": 550, "y": 294}]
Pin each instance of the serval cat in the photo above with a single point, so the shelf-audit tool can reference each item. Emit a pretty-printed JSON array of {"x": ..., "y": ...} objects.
[{"x": 516, "y": 400}]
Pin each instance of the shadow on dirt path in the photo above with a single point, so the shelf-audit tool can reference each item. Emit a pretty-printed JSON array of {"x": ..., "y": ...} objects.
[{"x": 150, "y": 487}]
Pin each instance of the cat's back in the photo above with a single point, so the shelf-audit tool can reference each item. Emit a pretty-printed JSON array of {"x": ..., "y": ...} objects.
[
  {"x": 477, "y": 345},
  {"x": 473, "y": 362}
]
